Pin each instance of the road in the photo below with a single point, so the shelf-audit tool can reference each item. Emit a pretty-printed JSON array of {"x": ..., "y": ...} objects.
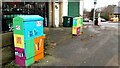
[
  {"x": 107, "y": 24},
  {"x": 96, "y": 47}
]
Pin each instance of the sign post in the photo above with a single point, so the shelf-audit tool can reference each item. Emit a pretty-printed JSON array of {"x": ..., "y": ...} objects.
[
  {"x": 99, "y": 14},
  {"x": 95, "y": 2}
]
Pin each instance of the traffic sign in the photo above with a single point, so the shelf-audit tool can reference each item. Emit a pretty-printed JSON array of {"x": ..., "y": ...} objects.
[
  {"x": 98, "y": 14},
  {"x": 95, "y": 1}
]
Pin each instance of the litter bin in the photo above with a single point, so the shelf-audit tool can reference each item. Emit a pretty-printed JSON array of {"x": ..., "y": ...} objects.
[
  {"x": 28, "y": 39},
  {"x": 67, "y": 21},
  {"x": 96, "y": 21}
]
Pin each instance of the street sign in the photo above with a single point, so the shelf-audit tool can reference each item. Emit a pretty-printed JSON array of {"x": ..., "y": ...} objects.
[
  {"x": 98, "y": 14},
  {"x": 95, "y": 1}
]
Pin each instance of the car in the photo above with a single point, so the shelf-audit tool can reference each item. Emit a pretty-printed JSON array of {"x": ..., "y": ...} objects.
[
  {"x": 103, "y": 20},
  {"x": 85, "y": 20}
]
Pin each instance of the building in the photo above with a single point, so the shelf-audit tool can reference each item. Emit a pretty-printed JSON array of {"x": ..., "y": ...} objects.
[
  {"x": 55, "y": 13},
  {"x": 73, "y": 7},
  {"x": 115, "y": 16},
  {"x": 61, "y": 8},
  {"x": 52, "y": 11}
]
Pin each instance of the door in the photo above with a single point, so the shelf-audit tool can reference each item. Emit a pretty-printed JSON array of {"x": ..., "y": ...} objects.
[
  {"x": 73, "y": 9},
  {"x": 39, "y": 45}
]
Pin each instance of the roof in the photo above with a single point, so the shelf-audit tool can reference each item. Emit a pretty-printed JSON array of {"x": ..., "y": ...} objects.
[
  {"x": 29, "y": 17},
  {"x": 116, "y": 10}
]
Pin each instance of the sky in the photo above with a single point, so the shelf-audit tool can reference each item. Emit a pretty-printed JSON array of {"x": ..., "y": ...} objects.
[{"x": 88, "y": 4}]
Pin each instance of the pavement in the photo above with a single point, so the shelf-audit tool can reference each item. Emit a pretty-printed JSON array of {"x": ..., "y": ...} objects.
[{"x": 97, "y": 46}]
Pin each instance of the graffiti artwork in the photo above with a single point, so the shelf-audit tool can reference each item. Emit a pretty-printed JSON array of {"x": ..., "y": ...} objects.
[
  {"x": 19, "y": 40},
  {"x": 38, "y": 45},
  {"x": 20, "y": 54},
  {"x": 17, "y": 27},
  {"x": 38, "y": 23}
]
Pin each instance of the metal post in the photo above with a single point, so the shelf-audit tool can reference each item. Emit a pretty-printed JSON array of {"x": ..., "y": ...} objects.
[
  {"x": 94, "y": 15},
  {"x": 95, "y": 2}
]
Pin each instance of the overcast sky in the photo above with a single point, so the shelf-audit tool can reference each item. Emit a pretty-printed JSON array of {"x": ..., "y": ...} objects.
[{"x": 88, "y": 4}]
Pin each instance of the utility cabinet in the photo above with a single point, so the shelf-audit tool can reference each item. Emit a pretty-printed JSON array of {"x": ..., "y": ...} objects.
[
  {"x": 77, "y": 27},
  {"x": 28, "y": 39}
]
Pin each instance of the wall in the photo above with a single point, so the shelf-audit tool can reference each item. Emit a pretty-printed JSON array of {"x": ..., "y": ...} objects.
[
  {"x": 7, "y": 47},
  {"x": 52, "y": 14},
  {"x": 65, "y": 7},
  {"x": 81, "y": 7},
  {"x": 119, "y": 3},
  {"x": 61, "y": 14}
]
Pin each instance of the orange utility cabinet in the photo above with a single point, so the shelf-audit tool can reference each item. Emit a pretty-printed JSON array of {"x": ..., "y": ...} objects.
[
  {"x": 39, "y": 45},
  {"x": 39, "y": 57}
]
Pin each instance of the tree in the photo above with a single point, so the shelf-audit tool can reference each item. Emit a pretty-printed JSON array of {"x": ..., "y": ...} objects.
[
  {"x": 86, "y": 13},
  {"x": 106, "y": 11}
]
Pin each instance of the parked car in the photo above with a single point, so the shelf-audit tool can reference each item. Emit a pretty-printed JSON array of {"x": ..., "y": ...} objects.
[
  {"x": 85, "y": 20},
  {"x": 103, "y": 20},
  {"x": 114, "y": 19}
]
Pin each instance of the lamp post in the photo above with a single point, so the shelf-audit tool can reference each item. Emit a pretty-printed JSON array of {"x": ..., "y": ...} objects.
[{"x": 95, "y": 2}]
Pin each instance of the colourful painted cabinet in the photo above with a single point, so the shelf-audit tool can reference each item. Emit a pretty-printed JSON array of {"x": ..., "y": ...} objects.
[
  {"x": 20, "y": 57},
  {"x": 29, "y": 48},
  {"x": 77, "y": 25},
  {"x": 28, "y": 39},
  {"x": 29, "y": 26}
]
